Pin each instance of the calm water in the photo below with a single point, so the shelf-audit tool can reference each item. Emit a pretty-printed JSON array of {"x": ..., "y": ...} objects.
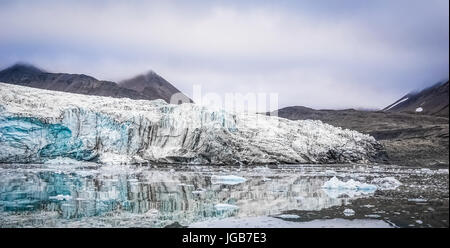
[{"x": 89, "y": 195}]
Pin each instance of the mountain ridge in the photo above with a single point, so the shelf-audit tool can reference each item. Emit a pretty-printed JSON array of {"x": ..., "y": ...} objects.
[
  {"x": 432, "y": 100},
  {"x": 29, "y": 75}
]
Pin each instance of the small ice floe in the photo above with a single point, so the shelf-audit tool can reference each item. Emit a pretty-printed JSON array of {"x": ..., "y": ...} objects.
[
  {"x": 335, "y": 183},
  {"x": 225, "y": 207},
  {"x": 419, "y": 109},
  {"x": 419, "y": 222},
  {"x": 417, "y": 200},
  {"x": 387, "y": 183},
  {"x": 335, "y": 188},
  {"x": 172, "y": 171},
  {"x": 330, "y": 172},
  {"x": 288, "y": 216},
  {"x": 426, "y": 171},
  {"x": 368, "y": 206},
  {"x": 372, "y": 216},
  {"x": 61, "y": 197},
  {"x": 349, "y": 212},
  {"x": 228, "y": 179}
]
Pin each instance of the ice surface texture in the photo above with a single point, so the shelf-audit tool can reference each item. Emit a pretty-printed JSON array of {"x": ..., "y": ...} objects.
[{"x": 39, "y": 125}]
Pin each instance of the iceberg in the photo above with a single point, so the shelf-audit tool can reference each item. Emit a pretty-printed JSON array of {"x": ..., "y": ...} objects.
[
  {"x": 335, "y": 188},
  {"x": 335, "y": 183},
  {"x": 349, "y": 212},
  {"x": 288, "y": 216},
  {"x": 38, "y": 125}
]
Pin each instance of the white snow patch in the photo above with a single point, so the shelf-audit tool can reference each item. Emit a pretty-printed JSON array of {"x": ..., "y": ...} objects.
[
  {"x": 419, "y": 109},
  {"x": 404, "y": 99}
]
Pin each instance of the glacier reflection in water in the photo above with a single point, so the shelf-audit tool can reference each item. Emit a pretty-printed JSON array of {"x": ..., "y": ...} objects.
[{"x": 92, "y": 195}]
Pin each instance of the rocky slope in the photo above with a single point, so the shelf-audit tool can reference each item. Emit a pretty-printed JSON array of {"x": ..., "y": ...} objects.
[
  {"x": 37, "y": 125},
  {"x": 153, "y": 87}
]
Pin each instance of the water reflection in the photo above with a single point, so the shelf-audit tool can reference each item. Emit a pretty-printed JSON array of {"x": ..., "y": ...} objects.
[{"x": 158, "y": 196}]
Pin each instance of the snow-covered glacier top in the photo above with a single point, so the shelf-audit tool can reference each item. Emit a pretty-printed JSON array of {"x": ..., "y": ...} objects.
[{"x": 37, "y": 125}]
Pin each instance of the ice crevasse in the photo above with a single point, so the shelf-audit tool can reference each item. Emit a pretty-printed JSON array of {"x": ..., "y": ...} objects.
[{"x": 38, "y": 125}]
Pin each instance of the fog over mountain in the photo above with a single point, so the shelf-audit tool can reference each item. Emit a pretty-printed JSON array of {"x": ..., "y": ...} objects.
[{"x": 432, "y": 100}]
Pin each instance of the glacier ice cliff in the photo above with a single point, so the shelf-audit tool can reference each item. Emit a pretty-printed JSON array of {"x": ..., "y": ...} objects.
[{"x": 39, "y": 125}]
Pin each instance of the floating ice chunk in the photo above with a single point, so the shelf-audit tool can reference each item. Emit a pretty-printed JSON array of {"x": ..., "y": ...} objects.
[
  {"x": 349, "y": 212},
  {"x": 419, "y": 222},
  {"x": 387, "y": 183},
  {"x": 335, "y": 188},
  {"x": 61, "y": 197},
  {"x": 335, "y": 183},
  {"x": 419, "y": 109},
  {"x": 372, "y": 216},
  {"x": 288, "y": 216},
  {"x": 229, "y": 179},
  {"x": 417, "y": 200},
  {"x": 225, "y": 207},
  {"x": 368, "y": 206}
]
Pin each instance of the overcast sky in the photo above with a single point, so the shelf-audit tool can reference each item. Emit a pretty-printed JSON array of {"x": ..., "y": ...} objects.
[{"x": 321, "y": 54}]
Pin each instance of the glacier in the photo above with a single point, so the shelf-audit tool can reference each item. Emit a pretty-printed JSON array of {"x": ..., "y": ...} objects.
[{"x": 39, "y": 125}]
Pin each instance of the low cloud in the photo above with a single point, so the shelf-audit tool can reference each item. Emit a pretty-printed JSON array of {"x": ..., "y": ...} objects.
[{"x": 351, "y": 55}]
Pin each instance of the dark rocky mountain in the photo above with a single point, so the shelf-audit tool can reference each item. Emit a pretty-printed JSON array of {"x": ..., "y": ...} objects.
[
  {"x": 432, "y": 101},
  {"x": 409, "y": 139},
  {"x": 31, "y": 76},
  {"x": 153, "y": 86}
]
